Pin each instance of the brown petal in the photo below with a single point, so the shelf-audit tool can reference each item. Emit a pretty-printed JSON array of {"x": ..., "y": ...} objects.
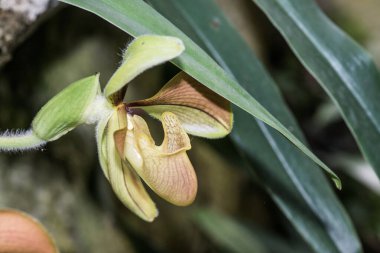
[
  {"x": 166, "y": 168},
  {"x": 21, "y": 233},
  {"x": 201, "y": 111}
]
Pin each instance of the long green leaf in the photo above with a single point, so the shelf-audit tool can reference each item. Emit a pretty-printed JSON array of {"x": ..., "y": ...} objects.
[
  {"x": 295, "y": 184},
  {"x": 233, "y": 236},
  {"x": 341, "y": 66},
  {"x": 229, "y": 234},
  {"x": 137, "y": 18}
]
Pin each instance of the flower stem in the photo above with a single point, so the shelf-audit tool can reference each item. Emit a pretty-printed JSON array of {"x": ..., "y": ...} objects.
[{"x": 20, "y": 140}]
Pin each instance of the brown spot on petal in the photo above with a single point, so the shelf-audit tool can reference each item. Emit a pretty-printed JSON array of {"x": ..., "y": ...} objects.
[
  {"x": 176, "y": 138},
  {"x": 119, "y": 138}
]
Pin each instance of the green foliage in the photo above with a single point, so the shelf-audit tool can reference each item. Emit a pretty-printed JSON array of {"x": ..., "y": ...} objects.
[
  {"x": 217, "y": 56},
  {"x": 340, "y": 65},
  {"x": 309, "y": 202}
]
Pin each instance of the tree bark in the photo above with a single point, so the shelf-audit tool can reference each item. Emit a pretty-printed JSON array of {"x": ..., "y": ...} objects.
[{"x": 17, "y": 19}]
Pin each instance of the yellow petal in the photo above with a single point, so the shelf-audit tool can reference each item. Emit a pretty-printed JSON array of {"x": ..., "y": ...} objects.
[
  {"x": 127, "y": 147},
  {"x": 101, "y": 144},
  {"x": 201, "y": 111},
  {"x": 124, "y": 180},
  {"x": 165, "y": 168},
  {"x": 143, "y": 53}
]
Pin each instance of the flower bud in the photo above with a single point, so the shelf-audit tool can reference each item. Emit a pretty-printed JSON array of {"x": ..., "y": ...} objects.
[{"x": 67, "y": 109}]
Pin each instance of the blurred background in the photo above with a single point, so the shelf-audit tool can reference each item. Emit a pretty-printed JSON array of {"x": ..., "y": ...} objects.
[{"x": 41, "y": 52}]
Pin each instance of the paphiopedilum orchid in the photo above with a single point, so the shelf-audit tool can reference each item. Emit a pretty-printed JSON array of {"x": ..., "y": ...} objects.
[{"x": 126, "y": 149}]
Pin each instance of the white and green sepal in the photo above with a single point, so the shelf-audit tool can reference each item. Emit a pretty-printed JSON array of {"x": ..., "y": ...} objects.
[
  {"x": 143, "y": 53},
  {"x": 67, "y": 109}
]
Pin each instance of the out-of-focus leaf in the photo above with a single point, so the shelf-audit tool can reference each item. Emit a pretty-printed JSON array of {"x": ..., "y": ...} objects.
[
  {"x": 295, "y": 184},
  {"x": 137, "y": 18},
  {"x": 359, "y": 169},
  {"x": 326, "y": 114},
  {"x": 233, "y": 236},
  {"x": 227, "y": 233},
  {"x": 341, "y": 66}
]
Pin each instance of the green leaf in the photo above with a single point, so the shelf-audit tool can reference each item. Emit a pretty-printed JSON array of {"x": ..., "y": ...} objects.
[
  {"x": 137, "y": 18},
  {"x": 294, "y": 182},
  {"x": 341, "y": 66},
  {"x": 229, "y": 234},
  {"x": 234, "y": 236}
]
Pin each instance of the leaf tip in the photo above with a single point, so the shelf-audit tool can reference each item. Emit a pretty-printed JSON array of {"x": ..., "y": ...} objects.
[{"x": 338, "y": 183}]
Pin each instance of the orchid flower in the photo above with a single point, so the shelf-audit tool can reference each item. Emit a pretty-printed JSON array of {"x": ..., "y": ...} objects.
[{"x": 126, "y": 149}]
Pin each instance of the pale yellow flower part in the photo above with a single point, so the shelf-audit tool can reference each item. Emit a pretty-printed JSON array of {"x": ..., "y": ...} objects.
[
  {"x": 165, "y": 168},
  {"x": 127, "y": 151},
  {"x": 123, "y": 178}
]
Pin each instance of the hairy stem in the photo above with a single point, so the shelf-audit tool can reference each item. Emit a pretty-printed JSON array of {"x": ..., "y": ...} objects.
[{"x": 20, "y": 140}]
